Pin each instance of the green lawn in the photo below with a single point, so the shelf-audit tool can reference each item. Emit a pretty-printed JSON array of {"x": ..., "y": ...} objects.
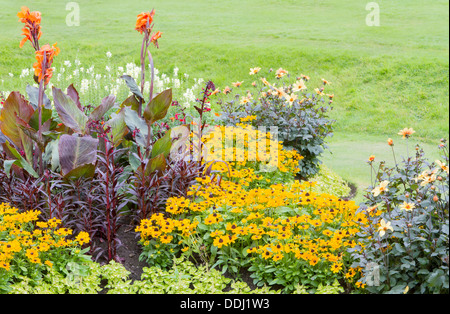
[{"x": 384, "y": 78}]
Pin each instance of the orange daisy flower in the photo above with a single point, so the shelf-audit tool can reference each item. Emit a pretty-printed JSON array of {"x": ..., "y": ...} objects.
[
  {"x": 226, "y": 90},
  {"x": 406, "y": 132},
  {"x": 390, "y": 142}
]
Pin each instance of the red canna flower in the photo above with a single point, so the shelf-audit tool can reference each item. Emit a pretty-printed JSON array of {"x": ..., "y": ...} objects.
[
  {"x": 43, "y": 70},
  {"x": 144, "y": 19},
  {"x": 32, "y": 28}
]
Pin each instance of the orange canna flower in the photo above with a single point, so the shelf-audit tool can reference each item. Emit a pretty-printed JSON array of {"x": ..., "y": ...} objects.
[
  {"x": 155, "y": 38},
  {"x": 32, "y": 29},
  {"x": 143, "y": 19},
  {"x": 44, "y": 70},
  {"x": 26, "y": 16}
]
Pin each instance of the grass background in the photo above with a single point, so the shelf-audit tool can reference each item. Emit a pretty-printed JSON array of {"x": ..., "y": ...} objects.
[{"x": 384, "y": 78}]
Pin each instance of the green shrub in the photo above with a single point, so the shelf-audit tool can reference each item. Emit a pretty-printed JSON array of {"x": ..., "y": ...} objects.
[{"x": 301, "y": 117}]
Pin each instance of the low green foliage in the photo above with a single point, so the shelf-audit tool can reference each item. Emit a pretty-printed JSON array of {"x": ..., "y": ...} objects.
[
  {"x": 328, "y": 181},
  {"x": 334, "y": 288}
]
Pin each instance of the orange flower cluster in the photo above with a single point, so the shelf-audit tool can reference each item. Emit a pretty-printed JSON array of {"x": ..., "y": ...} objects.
[
  {"x": 32, "y": 29},
  {"x": 142, "y": 19},
  {"x": 43, "y": 68},
  {"x": 143, "y": 25}
]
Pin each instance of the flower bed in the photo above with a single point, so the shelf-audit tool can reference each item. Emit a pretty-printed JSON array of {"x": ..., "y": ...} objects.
[{"x": 216, "y": 201}]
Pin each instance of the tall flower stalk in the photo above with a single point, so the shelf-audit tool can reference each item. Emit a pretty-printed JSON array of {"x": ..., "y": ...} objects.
[
  {"x": 43, "y": 70},
  {"x": 144, "y": 26}
]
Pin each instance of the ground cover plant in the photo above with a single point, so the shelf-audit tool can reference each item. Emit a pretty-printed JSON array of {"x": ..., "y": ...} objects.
[{"x": 215, "y": 187}]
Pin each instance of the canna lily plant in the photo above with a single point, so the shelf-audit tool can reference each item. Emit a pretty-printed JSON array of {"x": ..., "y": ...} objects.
[
  {"x": 146, "y": 155},
  {"x": 55, "y": 149},
  {"x": 18, "y": 113},
  {"x": 36, "y": 140}
]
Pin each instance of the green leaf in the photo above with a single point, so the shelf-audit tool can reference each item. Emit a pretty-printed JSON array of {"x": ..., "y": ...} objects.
[
  {"x": 202, "y": 226},
  {"x": 157, "y": 163},
  {"x": 163, "y": 145},
  {"x": 131, "y": 102},
  {"x": 134, "y": 160},
  {"x": 157, "y": 108},
  {"x": 15, "y": 106},
  {"x": 34, "y": 120},
  {"x": 75, "y": 151},
  {"x": 398, "y": 289},
  {"x": 51, "y": 154},
  {"x": 106, "y": 104},
  {"x": 133, "y": 121},
  {"x": 7, "y": 164},
  {"x": 27, "y": 134},
  {"x": 33, "y": 97},
  {"x": 423, "y": 272},
  {"x": 69, "y": 113},
  {"x": 214, "y": 249},
  {"x": 131, "y": 83},
  {"x": 86, "y": 171},
  {"x": 118, "y": 127},
  {"x": 399, "y": 248},
  {"x": 436, "y": 278},
  {"x": 73, "y": 93},
  {"x": 21, "y": 162}
]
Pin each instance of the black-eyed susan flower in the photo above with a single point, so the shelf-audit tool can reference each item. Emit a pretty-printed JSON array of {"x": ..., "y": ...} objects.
[
  {"x": 277, "y": 257},
  {"x": 221, "y": 241},
  {"x": 336, "y": 267}
]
